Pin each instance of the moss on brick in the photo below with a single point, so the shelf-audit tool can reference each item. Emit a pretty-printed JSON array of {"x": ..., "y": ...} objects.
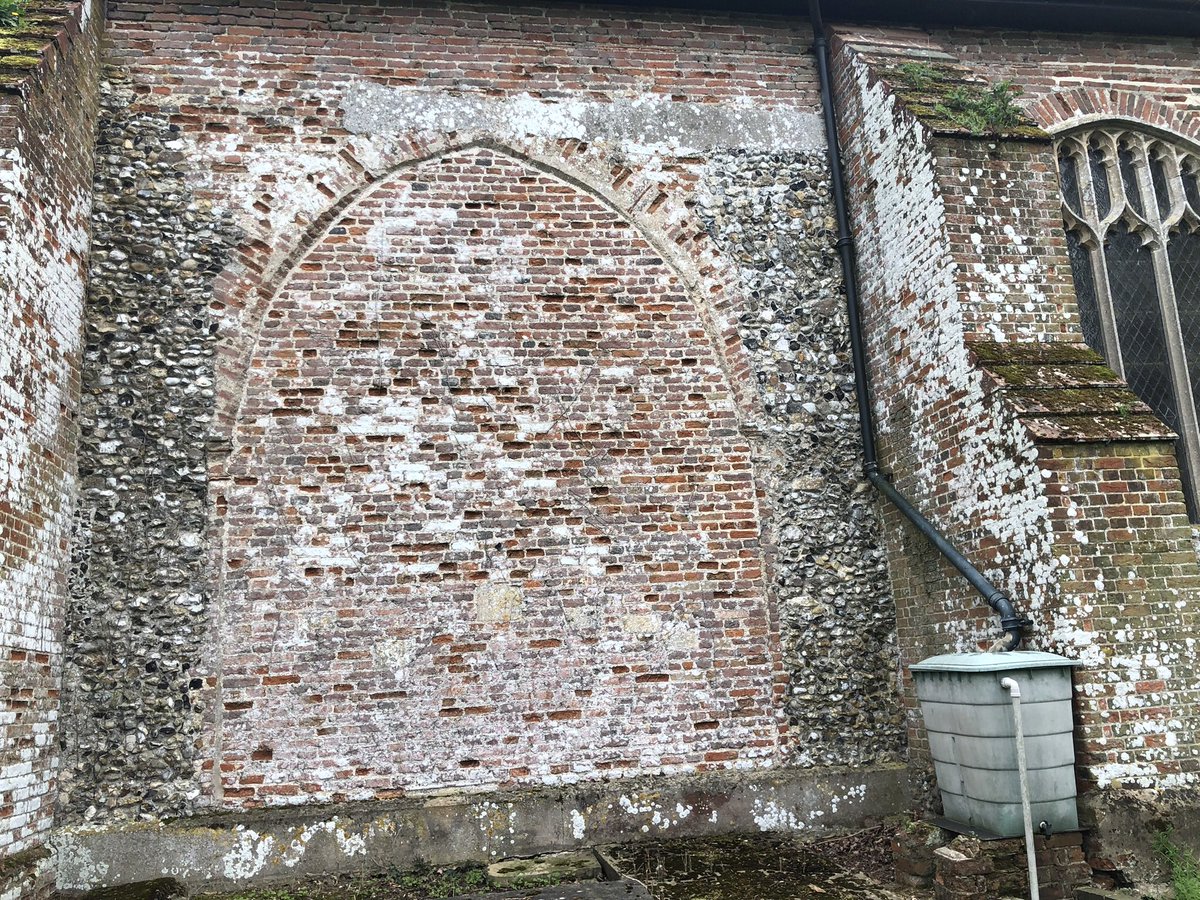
[
  {"x": 25, "y": 36},
  {"x": 950, "y": 100},
  {"x": 1056, "y": 375},
  {"x": 1074, "y": 401},
  {"x": 21, "y": 45},
  {"x": 1034, "y": 353}
]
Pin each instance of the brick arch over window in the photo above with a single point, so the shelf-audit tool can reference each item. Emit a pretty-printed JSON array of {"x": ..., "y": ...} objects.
[
  {"x": 1065, "y": 110},
  {"x": 243, "y": 290},
  {"x": 489, "y": 515}
]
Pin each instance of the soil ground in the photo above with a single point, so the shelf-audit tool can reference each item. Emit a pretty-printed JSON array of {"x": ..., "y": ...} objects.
[{"x": 854, "y": 866}]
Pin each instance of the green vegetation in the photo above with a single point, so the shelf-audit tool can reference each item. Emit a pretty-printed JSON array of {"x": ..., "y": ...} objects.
[
  {"x": 946, "y": 96},
  {"x": 12, "y": 12},
  {"x": 1185, "y": 871},
  {"x": 921, "y": 76},
  {"x": 980, "y": 110},
  {"x": 422, "y": 884}
]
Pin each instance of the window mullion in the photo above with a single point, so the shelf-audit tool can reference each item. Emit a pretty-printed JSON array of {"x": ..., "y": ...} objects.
[
  {"x": 1188, "y": 426},
  {"x": 1091, "y": 210},
  {"x": 1108, "y": 317}
]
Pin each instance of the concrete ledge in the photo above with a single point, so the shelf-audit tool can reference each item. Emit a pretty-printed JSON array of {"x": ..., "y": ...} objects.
[{"x": 233, "y": 850}]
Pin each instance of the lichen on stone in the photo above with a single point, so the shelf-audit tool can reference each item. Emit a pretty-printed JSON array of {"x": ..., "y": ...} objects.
[
  {"x": 137, "y": 625},
  {"x": 771, "y": 216}
]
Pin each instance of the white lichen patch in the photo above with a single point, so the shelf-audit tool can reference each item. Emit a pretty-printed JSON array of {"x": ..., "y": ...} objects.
[{"x": 249, "y": 854}]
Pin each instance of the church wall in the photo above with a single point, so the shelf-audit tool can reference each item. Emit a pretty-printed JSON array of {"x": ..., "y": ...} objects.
[
  {"x": 468, "y": 407},
  {"x": 342, "y": 626},
  {"x": 1000, "y": 421},
  {"x": 47, "y": 108}
]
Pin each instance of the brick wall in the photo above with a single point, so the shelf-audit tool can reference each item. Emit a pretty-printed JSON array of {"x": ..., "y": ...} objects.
[
  {"x": 517, "y": 537},
  {"x": 565, "y": 584},
  {"x": 997, "y": 418},
  {"x": 47, "y": 109},
  {"x": 342, "y": 128},
  {"x": 1074, "y": 77}
]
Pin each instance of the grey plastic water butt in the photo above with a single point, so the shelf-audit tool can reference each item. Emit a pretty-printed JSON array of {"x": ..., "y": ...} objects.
[{"x": 969, "y": 718}]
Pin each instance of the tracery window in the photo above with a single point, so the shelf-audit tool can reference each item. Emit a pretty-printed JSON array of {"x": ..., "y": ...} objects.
[{"x": 1131, "y": 201}]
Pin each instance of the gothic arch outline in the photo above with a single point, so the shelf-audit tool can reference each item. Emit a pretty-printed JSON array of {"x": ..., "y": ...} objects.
[
  {"x": 663, "y": 223},
  {"x": 666, "y": 225},
  {"x": 1065, "y": 111}
]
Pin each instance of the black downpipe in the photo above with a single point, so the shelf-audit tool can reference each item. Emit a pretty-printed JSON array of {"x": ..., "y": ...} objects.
[{"x": 1010, "y": 622}]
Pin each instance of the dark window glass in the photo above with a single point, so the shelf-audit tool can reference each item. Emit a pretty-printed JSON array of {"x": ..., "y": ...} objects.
[
  {"x": 1099, "y": 180},
  {"x": 1068, "y": 176},
  {"x": 1183, "y": 250},
  {"x": 1133, "y": 190},
  {"x": 1085, "y": 291},
  {"x": 1191, "y": 187},
  {"x": 1139, "y": 322},
  {"x": 1158, "y": 175}
]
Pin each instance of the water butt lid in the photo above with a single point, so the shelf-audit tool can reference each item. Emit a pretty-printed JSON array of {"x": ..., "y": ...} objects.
[{"x": 993, "y": 662}]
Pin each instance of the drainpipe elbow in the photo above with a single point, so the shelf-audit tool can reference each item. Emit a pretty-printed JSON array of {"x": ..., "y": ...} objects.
[
  {"x": 1011, "y": 623},
  {"x": 1010, "y": 685}
]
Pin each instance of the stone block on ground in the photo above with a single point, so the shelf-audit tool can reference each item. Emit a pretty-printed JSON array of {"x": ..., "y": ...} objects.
[{"x": 573, "y": 865}]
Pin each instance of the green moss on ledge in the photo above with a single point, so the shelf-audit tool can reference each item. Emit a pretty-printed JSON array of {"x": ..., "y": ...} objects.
[
  {"x": 1064, "y": 393},
  {"x": 19, "y": 62},
  {"x": 21, "y": 45},
  {"x": 950, "y": 100},
  {"x": 27, "y": 28}
]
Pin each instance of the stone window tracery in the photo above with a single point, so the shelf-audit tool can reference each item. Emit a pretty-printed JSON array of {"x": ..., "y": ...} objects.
[{"x": 1131, "y": 202}]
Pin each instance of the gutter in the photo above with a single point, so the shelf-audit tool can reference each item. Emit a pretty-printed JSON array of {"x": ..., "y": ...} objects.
[{"x": 1011, "y": 623}]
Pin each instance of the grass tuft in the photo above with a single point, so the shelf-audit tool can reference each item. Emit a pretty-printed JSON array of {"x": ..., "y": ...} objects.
[
  {"x": 12, "y": 12},
  {"x": 981, "y": 111},
  {"x": 1185, "y": 871},
  {"x": 919, "y": 75}
]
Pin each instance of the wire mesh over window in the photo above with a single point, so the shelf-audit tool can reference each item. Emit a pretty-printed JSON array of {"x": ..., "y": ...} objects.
[{"x": 1131, "y": 202}]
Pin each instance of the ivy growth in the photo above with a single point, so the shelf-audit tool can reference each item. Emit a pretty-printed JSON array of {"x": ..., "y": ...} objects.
[
  {"x": 982, "y": 110},
  {"x": 1185, "y": 871},
  {"x": 12, "y": 12}
]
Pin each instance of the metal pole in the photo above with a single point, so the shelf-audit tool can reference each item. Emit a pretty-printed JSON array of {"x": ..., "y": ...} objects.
[{"x": 1014, "y": 691}]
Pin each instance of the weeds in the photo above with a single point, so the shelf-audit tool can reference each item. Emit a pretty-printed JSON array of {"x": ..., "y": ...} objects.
[
  {"x": 1185, "y": 871},
  {"x": 982, "y": 110},
  {"x": 919, "y": 75},
  {"x": 12, "y": 12},
  {"x": 427, "y": 883}
]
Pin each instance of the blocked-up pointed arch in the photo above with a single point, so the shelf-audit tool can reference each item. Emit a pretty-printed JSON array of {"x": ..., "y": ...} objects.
[
  {"x": 266, "y": 258},
  {"x": 489, "y": 515}
]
